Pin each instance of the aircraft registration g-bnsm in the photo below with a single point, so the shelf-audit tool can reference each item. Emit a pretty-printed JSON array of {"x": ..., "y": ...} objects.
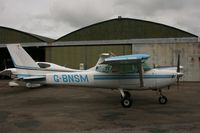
[{"x": 125, "y": 73}]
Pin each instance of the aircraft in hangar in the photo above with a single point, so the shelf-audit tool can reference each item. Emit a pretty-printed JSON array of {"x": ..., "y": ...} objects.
[{"x": 125, "y": 73}]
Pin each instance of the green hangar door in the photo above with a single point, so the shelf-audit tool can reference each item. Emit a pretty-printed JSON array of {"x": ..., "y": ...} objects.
[{"x": 73, "y": 56}]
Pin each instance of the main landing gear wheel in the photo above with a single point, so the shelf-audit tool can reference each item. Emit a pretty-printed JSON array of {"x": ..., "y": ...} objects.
[
  {"x": 162, "y": 100},
  {"x": 126, "y": 100}
]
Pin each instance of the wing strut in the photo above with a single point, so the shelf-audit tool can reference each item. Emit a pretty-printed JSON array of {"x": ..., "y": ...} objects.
[{"x": 140, "y": 68}]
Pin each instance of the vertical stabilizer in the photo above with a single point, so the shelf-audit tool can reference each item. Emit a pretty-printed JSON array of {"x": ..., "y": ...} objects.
[{"x": 21, "y": 59}]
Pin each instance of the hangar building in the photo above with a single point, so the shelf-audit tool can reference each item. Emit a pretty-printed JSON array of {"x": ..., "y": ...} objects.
[
  {"x": 119, "y": 36},
  {"x": 126, "y": 36},
  {"x": 35, "y": 44}
]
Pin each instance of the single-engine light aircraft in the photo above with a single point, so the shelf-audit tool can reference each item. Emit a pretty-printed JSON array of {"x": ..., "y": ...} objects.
[{"x": 125, "y": 73}]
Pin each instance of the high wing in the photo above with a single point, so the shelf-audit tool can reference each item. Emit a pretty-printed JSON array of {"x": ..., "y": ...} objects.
[
  {"x": 129, "y": 59},
  {"x": 126, "y": 59}
]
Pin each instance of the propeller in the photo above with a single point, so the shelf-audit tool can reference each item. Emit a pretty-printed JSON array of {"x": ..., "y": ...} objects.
[
  {"x": 178, "y": 63},
  {"x": 178, "y": 68},
  {"x": 179, "y": 73}
]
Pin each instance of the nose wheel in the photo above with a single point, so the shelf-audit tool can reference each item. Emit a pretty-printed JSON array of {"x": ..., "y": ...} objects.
[
  {"x": 162, "y": 99},
  {"x": 126, "y": 100}
]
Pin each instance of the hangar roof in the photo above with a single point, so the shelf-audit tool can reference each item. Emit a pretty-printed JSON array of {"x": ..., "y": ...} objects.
[
  {"x": 124, "y": 28},
  {"x": 9, "y": 35}
]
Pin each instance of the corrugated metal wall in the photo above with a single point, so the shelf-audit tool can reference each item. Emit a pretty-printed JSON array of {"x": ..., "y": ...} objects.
[
  {"x": 167, "y": 54},
  {"x": 13, "y": 36},
  {"x": 72, "y": 56}
]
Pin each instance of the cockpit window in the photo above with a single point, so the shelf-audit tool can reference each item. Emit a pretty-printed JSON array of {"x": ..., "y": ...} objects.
[
  {"x": 104, "y": 68},
  {"x": 125, "y": 68},
  {"x": 43, "y": 65},
  {"x": 122, "y": 68}
]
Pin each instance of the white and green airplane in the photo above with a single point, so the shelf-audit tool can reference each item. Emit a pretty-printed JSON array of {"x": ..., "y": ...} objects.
[{"x": 125, "y": 73}]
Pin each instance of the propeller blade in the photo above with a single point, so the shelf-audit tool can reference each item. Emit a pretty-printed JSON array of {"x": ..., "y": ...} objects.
[
  {"x": 178, "y": 63},
  {"x": 178, "y": 69}
]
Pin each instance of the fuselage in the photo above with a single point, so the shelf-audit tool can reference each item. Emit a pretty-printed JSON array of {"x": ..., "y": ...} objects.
[{"x": 153, "y": 79}]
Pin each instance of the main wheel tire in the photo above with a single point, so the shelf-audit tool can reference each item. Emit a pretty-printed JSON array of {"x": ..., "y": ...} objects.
[
  {"x": 126, "y": 102},
  {"x": 162, "y": 100}
]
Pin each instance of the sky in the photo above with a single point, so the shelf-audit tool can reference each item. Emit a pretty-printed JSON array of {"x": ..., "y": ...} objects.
[{"x": 56, "y": 18}]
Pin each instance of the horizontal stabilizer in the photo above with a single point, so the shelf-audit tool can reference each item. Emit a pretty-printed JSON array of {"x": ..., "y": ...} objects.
[
  {"x": 33, "y": 78},
  {"x": 6, "y": 72}
]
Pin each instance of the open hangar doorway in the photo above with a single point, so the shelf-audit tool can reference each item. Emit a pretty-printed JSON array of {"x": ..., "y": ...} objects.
[{"x": 37, "y": 53}]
